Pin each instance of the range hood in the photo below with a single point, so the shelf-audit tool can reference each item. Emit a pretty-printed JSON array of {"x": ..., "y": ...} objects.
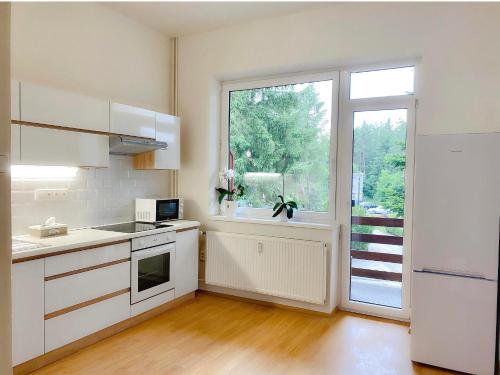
[{"x": 125, "y": 145}]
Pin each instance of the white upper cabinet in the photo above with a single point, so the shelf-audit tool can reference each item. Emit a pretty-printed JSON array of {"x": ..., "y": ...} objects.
[
  {"x": 42, "y": 146},
  {"x": 168, "y": 129},
  {"x": 43, "y": 105},
  {"x": 15, "y": 144},
  {"x": 14, "y": 100},
  {"x": 134, "y": 121}
]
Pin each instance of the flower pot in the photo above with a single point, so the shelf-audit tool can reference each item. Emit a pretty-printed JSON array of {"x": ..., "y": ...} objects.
[
  {"x": 283, "y": 216},
  {"x": 229, "y": 208}
]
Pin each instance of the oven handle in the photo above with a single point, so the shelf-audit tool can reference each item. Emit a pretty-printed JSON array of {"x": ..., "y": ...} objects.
[{"x": 140, "y": 254}]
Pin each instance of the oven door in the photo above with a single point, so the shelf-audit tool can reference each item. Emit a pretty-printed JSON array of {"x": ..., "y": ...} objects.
[
  {"x": 152, "y": 272},
  {"x": 167, "y": 209}
]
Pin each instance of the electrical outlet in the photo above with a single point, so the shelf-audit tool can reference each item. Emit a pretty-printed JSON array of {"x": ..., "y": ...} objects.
[{"x": 52, "y": 195}]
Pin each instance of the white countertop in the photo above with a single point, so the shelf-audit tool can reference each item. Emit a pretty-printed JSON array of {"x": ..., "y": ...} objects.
[{"x": 88, "y": 237}]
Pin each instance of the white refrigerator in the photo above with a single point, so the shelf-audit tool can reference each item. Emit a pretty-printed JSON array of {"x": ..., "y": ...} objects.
[{"x": 455, "y": 251}]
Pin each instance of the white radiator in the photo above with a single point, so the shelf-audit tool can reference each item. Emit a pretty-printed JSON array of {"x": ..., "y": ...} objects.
[{"x": 279, "y": 267}]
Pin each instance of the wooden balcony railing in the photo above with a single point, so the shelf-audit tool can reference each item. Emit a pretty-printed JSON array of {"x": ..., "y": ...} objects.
[{"x": 378, "y": 239}]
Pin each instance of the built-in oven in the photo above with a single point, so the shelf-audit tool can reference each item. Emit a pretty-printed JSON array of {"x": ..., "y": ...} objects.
[{"x": 152, "y": 270}]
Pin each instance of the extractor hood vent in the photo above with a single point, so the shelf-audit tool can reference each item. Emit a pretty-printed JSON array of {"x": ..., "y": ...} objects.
[{"x": 125, "y": 145}]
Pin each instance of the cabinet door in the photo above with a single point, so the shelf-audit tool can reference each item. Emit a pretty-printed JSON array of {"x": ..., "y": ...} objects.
[
  {"x": 168, "y": 129},
  {"x": 14, "y": 100},
  {"x": 42, "y": 146},
  {"x": 186, "y": 262},
  {"x": 15, "y": 144},
  {"x": 135, "y": 121},
  {"x": 27, "y": 310},
  {"x": 50, "y": 106}
]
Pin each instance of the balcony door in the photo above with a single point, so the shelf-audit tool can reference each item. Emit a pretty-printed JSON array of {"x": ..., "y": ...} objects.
[{"x": 376, "y": 135}]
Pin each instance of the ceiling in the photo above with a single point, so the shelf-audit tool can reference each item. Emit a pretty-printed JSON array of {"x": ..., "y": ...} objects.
[{"x": 183, "y": 18}]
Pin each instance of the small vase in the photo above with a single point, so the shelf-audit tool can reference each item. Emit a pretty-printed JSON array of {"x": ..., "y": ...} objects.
[
  {"x": 229, "y": 208},
  {"x": 283, "y": 216}
]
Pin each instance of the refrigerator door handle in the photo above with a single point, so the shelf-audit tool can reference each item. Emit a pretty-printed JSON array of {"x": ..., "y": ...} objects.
[{"x": 453, "y": 273}]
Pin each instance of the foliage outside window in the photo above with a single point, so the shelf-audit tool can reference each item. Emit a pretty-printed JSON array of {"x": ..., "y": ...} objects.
[{"x": 279, "y": 144}]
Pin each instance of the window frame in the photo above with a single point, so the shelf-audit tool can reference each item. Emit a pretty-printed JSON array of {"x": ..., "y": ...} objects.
[
  {"x": 347, "y": 107},
  {"x": 229, "y": 86}
]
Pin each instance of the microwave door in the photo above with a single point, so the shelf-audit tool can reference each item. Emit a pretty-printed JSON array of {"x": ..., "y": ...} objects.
[{"x": 167, "y": 210}]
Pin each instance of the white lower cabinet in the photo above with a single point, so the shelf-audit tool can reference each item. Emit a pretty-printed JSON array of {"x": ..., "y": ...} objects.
[
  {"x": 69, "y": 327},
  {"x": 27, "y": 310},
  {"x": 88, "y": 258},
  {"x": 186, "y": 262},
  {"x": 43, "y": 146},
  {"x": 85, "y": 286}
]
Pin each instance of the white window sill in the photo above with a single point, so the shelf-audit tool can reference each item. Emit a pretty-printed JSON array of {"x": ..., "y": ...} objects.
[{"x": 295, "y": 224}]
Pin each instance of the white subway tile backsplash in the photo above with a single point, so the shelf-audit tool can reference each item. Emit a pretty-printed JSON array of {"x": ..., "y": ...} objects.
[{"x": 96, "y": 196}]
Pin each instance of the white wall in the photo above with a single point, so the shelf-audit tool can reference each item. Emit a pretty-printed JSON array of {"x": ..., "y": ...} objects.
[
  {"x": 5, "y": 242},
  {"x": 458, "y": 78},
  {"x": 95, "y": 196},
  {"x": 457, "y": 82},
  {"x": 88, "y": 48}
]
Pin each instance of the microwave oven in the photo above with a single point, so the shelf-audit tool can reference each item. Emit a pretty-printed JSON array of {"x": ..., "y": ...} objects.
[{"x": 154, "y": 210}]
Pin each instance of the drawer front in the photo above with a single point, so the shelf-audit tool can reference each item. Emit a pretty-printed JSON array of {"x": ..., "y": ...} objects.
[
  {"x": 72, "y": 326},
  {"x": 85, "y": 286},
  {"x": 86, "y": 258},
  {"x": 150, "y": 303}
]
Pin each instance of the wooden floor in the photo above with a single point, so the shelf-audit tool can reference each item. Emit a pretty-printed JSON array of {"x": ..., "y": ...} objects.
[{"x": 215, "y": 335}]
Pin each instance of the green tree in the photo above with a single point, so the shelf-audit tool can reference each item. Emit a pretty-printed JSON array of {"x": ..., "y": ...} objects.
[
  {"x": 281, "y": 130},
  {"x": 372, "y": 143},
  {"x": 390, "y": 189}
]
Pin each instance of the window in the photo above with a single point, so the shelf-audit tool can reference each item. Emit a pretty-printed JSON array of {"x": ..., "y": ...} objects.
[
  {"x": 382, "y": 83},
  {"x": 376, "y": 137},
  {"x": 279, "y": 140}
]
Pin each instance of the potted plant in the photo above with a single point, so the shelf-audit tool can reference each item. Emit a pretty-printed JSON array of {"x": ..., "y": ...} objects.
[
  {"x": 231, "y": 194},
  {"x": 284, "y": 208}
]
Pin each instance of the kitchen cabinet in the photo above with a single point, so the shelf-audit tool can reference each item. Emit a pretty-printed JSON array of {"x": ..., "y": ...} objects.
[
  {"x": 49, "y": 106},
  {"x": 15, "y": 131},
  {"x": 15, "y": 144},
  {"x": 86, "y": 259},
  {"x": 168, "y": 129},
  {"x": 67, "y": 291},
  {"x": 15, "y": 113},
  {"x": 27, "y": 310},
  {"x": 43, "y": 146},
  {"x": 74, "y": 325},
  {"x": 134, "y": 121},
  {"x": 186, "y": 262}
]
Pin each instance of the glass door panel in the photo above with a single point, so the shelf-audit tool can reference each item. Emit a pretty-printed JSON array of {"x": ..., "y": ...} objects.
[
  {"x": 377, "y": 206},
  {"x": 153, "y": 271}
]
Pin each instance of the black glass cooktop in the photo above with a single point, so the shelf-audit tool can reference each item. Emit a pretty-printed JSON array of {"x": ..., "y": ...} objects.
[{"x": 132, "y": 227}]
